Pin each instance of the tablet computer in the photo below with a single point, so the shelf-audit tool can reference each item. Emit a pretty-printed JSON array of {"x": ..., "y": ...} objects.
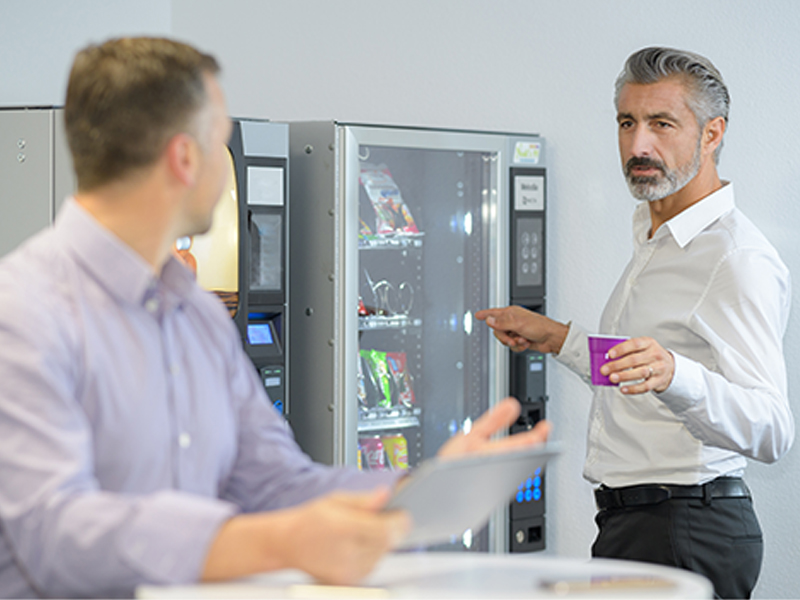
[{"x": 445, "y": 497}]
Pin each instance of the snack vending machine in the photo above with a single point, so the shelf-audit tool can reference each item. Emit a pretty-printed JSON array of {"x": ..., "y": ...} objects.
[
  {"x": 397, "y": 237},
  {"x": 242, "y": 258}
]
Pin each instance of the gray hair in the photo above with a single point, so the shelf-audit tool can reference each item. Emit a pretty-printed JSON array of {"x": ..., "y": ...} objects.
[{"x": 708, "y": 97}]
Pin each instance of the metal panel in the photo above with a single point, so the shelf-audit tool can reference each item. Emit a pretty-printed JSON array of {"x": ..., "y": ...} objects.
[
  {"x": 262, "y": 138},
  {"x": 313, "y": 318},
  {"x": 347, "y": 339},
  {"x": 26, "y": 173}
]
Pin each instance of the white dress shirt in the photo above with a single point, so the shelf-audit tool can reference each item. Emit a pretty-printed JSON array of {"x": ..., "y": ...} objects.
[{"x": 710, "y": 288}]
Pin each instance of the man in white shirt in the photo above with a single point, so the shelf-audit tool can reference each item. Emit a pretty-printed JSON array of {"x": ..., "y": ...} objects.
[{"x": 701, "y": 383}]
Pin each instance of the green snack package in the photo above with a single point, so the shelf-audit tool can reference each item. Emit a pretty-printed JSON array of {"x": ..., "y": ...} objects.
[{"x": 380, "y": 371}]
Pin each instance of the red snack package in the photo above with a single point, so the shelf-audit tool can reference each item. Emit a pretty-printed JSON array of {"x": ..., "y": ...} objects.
[{"x": 398, "y": 368}]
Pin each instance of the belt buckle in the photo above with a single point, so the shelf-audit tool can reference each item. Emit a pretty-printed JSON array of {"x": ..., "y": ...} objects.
[
  {"x": 662, "y": 494},
  {"x": 645, "y": 495}
]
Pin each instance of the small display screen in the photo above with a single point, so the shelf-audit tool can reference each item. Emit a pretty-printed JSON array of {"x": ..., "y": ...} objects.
[
  {"x": 265, "y": 186},
  {"x": 259, "y": 334},
  {"x": 266, "y": 252}
]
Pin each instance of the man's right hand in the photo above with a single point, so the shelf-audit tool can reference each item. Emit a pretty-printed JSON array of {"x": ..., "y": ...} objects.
[
  {"x": 521, "y": 329},
  {"x": 337, "y": 539}
]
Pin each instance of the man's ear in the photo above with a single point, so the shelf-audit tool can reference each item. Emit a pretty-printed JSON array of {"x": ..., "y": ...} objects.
[
  {"x": 183, "y": 158},
  {"x": 712, "y": 134}
]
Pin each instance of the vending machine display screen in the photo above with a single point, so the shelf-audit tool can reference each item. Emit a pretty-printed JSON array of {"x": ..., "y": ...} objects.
[
  {"x": 266, "y": 252},
  {"x": 265, "y": 186},
  {"x": 260, "y": 334}
]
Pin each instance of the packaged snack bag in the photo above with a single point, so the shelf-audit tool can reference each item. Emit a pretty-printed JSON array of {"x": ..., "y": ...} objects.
[
  {"x": 367, "y": 383},
  {"x": 391, "y": 212},
  {"x": 364, "y": 231},
  {"x": 380, "y": 372},
  {"x": 361, "y": 389},
  {"x": 398, "y": 368},
  {"x": 396, "y": 448}
]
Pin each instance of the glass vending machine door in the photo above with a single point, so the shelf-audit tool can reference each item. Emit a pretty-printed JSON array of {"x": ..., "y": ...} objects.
[{"x": 426, "y": 241}]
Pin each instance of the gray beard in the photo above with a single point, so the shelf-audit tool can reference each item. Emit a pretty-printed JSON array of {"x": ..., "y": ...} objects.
[{"x": 672, "y": 181}]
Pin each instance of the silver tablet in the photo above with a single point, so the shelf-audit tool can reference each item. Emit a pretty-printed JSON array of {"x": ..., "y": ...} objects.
[{"x": 445, "y": 497}]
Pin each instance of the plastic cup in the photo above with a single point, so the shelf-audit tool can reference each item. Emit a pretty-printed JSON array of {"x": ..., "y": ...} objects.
[{"x": 599, "y": 345}]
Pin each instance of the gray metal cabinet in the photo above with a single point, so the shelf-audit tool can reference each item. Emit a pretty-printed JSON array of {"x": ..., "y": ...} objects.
[{"x": 35, "y": 172}]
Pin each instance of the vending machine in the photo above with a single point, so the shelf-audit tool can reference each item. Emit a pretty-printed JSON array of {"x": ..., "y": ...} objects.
[
  {"x": 397, "y": 237},
  {"x": 242, "y": 258}
]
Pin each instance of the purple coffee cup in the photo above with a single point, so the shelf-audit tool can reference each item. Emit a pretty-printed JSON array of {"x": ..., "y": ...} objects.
[{"x": 599, "y": 345}]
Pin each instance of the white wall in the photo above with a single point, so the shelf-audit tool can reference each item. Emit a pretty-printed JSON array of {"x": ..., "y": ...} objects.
[
  {"x": 39, "y": 38},
  {"x": 523, "y": 65},
  {"x": 548, "y": 67}
]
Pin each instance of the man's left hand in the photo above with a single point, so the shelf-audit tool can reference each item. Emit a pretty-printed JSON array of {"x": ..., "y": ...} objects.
[{"x": 640, "y": 365}]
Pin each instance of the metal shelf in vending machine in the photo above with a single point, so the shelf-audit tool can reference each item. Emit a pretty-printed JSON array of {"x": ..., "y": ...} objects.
[{"x": 398, "y": 235}]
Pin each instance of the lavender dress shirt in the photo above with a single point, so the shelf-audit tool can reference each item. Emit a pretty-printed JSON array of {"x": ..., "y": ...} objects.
[{"x": 132, "y": 424}]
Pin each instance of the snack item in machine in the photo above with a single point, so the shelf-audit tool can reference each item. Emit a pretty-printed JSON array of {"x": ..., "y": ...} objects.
[
  {"x": 376, "y": 361},
  {"x": 368, "y": 390},
  {"x": 398, "y": 367},
  {"x": 391, "y": 212},
  {"x": 396, "y": 447}
]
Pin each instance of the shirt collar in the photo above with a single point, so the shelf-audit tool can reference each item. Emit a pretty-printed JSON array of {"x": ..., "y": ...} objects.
[
  {"x": 686, "y": 225},
  {"x": 119, "y": 269}
]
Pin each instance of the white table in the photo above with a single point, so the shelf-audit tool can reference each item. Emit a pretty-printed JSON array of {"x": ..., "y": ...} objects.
[{"x": 468, "y": 575}]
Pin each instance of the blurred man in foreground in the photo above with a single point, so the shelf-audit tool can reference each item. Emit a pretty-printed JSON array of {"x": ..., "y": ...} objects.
[{"x": 137, "y": 445}]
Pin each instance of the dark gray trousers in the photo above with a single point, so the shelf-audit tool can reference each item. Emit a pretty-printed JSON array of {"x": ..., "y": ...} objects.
[{"x": 721, "y": 540}]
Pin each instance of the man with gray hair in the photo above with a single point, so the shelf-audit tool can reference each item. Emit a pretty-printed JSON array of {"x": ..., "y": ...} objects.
[{"x": 700, "y": 383}]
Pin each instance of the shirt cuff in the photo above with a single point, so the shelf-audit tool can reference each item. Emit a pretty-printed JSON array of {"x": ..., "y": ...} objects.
[
  {"x": 574, "y": 352},
  {"x": 686, "y": 388},
  {"x": 168, "y": 537}
]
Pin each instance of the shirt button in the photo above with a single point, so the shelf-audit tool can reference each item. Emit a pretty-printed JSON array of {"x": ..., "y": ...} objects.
[
  {"x": 184, "y": 440},
  {"x": 174, "y": 369},
  {"x": 151, "y": 305}
]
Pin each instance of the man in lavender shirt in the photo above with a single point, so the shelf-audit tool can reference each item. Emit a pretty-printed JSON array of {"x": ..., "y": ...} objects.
[{"x": 137, "y": 445}]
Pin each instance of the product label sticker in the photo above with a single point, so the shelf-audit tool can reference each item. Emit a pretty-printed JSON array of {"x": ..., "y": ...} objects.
[
  {"x": 529, "y": 192},
  {"x": 527, "y": 153}
]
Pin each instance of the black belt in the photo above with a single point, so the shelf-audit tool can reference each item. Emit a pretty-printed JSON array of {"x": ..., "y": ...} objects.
[{"x": 643, "y": 495}]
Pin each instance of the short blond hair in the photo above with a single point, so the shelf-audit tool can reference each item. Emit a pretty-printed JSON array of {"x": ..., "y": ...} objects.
[{"x": 125, "y": 99}]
